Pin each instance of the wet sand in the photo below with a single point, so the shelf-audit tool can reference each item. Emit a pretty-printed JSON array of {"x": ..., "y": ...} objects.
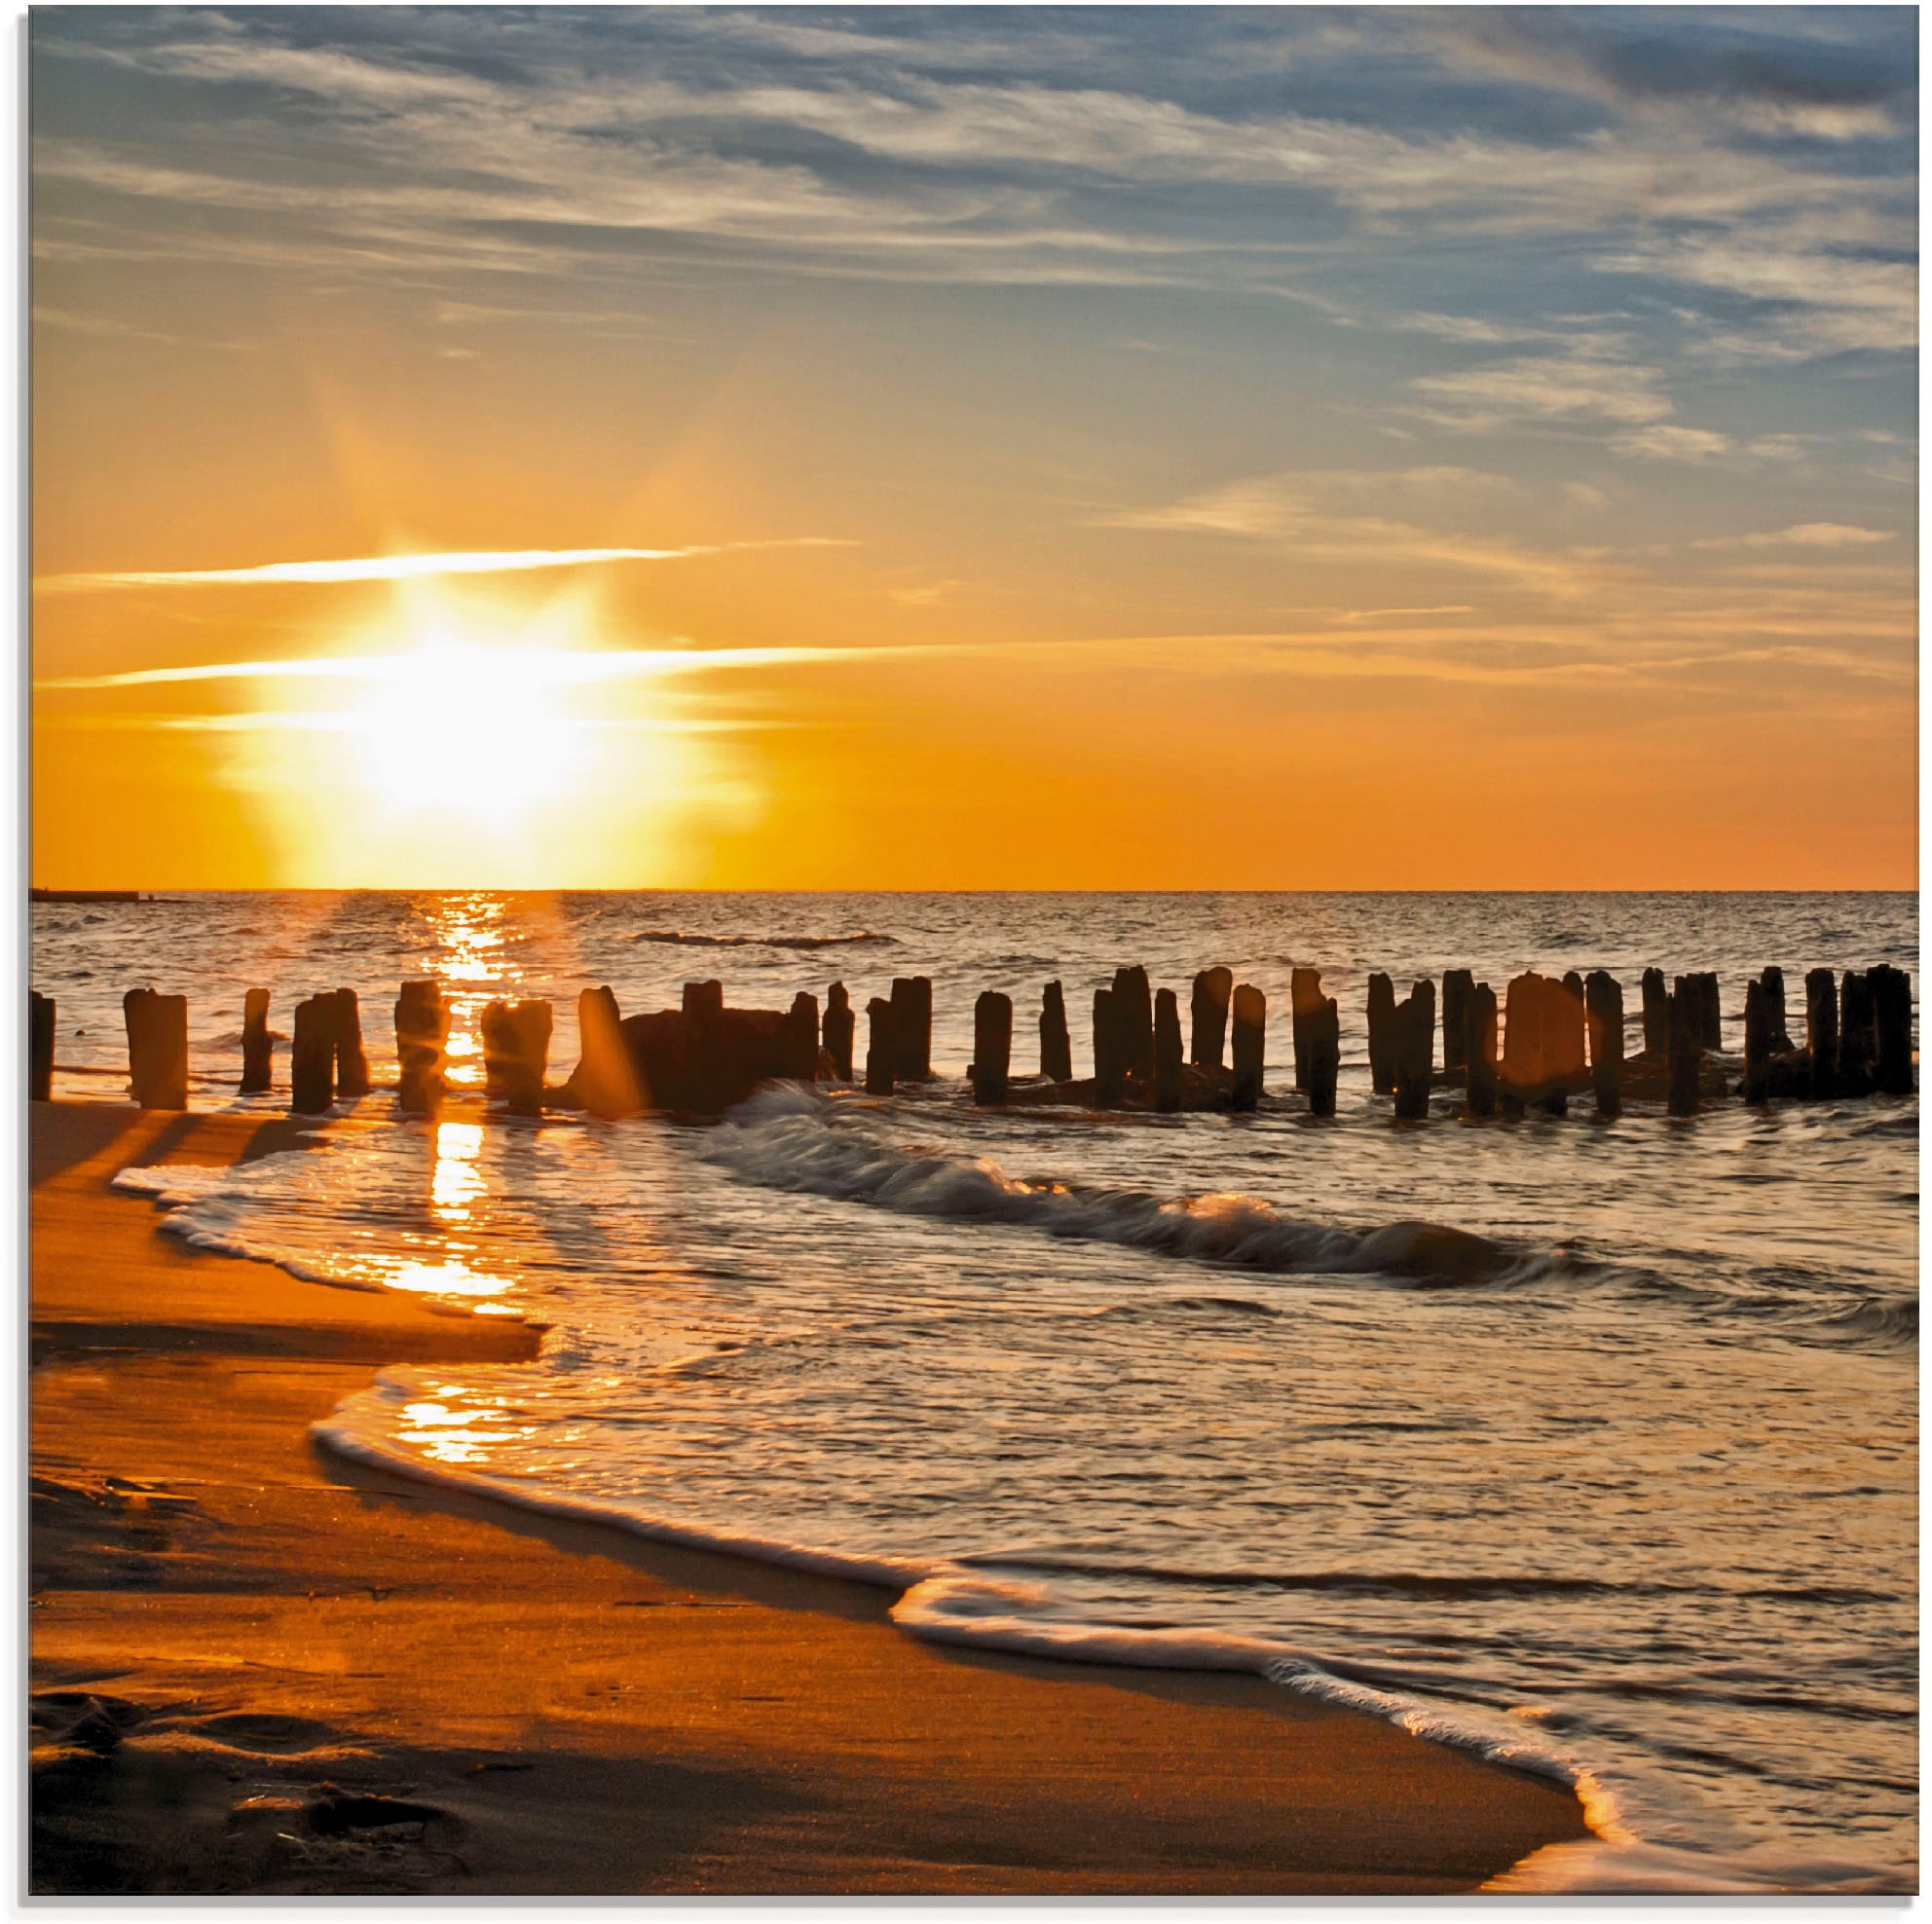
[{"x": 258, "y": 1668}]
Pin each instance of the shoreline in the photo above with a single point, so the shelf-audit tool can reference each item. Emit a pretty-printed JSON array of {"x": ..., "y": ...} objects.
[{"x": 243, "y": 1644}]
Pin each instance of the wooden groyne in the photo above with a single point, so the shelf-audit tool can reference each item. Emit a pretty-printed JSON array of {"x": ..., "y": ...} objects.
[{"x": 1556, "y": 1039}]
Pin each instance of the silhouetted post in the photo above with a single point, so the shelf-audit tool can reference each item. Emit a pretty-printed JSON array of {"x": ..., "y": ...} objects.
[
  {"x": 605, "y": 1078},
  {"x": 421, "y": 1029},
  {"x": 1656, "y": 1016},
  {"x": 1412, "y": 1052},
  {"x": 1109, "y": 1069},
  {"x": 498, "y": 1041},
  {"x": 1456, "y": 986},
  {"x": 992, "y": 1047},
  {"x": 1759, "y": 1014},
  {"x": 1603, "y": 1009},
  {"x": 312, "y": 1056},
  {"x": 1563, "y": 1012},
  {"x": 797, "y": 1039},
  {"x": 1821, "y": 1031},
  {"x": 881, "y": 1047},
  {"x": 1133, "y": 1020},
  {"x": 1524, "y": 1045},
  {"x": 1479, "y": 1050},
  {"x": 40, "y": 1047},
  {"x": 913, "y": 1027},
  {"x": 840, "y": 1023},
  {"x": 1686, "y": 1049},
  {"x": 352, "y": 1062},
  {"x": 257, "y": 1050},
  {"x": 1250, "y": 1008},
  {"x": 1381, "y": 1026},
  {"x": 1166, "y": 1051},
  {"x": 1773, "y": 981},
  {"x": 1305, "y": 998},
  {"x": 1212, "y": 988},
  {"x": 1056, "y": 1044},
  {"x": 1858, "y": 1035},
  {"x": 157, "y": 1047},
  {"x": 1710, "y": 1014},
  {"x": 1324, "y": 1055},
  {"x": 529, "y": 1034},
  {"x": 1891, "y": 994}
]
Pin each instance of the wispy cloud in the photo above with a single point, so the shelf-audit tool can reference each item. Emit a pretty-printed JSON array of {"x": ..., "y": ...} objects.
[{"x": 1805, "y": 535}]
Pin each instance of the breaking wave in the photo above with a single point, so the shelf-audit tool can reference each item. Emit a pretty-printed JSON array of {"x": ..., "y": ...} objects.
[{"x": 684, "y": 940}]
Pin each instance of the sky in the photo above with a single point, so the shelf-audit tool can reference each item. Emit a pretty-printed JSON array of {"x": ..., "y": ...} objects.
[{"x": 974, "y": 448}]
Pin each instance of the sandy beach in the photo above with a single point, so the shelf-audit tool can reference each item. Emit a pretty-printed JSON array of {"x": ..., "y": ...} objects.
[{"x": 259, "y": 1669}]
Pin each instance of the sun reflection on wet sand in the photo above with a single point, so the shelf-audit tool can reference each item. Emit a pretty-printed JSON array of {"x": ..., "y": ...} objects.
[{"x": 458, "y": 1194}]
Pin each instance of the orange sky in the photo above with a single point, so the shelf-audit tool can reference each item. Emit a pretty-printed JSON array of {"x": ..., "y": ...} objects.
[{"x": 1011, "y": 515}]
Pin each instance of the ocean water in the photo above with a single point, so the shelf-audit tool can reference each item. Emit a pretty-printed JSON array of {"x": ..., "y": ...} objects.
[{"x": 1631, "y": 1502}]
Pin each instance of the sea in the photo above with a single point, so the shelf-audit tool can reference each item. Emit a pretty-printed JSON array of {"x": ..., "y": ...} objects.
[{"x": 1631, "y": 1504}]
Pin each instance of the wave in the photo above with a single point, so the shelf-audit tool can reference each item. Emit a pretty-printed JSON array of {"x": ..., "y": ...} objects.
[
  {"x": 788, "y": 1136},
  {"x": 683, "y": 939}
]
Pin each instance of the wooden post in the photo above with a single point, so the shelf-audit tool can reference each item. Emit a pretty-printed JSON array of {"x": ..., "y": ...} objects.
[
  {"x": 157, "y": 1047},
  {"x": 421, "y": 1029},
  {"x": 1821, "y": 1032},
  {"x": 40, "y": 1047},
  {"x": 1133, "y": 1020},
  {"x": 881, "y": 1047},
  {"x": 1381, "y": 1019},
  {"x": 913, "y": 1028},
  {"x": 992, "y": 1047},
  {"x": 1563, "y": 1012},
  {"x": 605, "y": 1080},
  {"x": 1759, "y": 1016},
  {"x": 352, "y": 1062},
  {"x": 497, "y": 1044},
  {"x": 1110, "y": 1070},
  {"x": 1524, "y": 1044},
  {"x": 1773, "y": 981},
  {"x": 1250, "y": 1008},
  {"x": 840, "y": 1023},
  {"x": 1305, "y": 999},
  {"x": 529, "y": 1035},
  {"x": 1166, "y": 1051},
  {"x": 312, "y": 1056},
  {"x": 1710, "y": 1014},
  {"x": 1656, "y": 1016},
  {"x": 1412, "y": 1052},
  {"x": 1603, "y": 1009},
  {"x": 1686, "y": 1050},
  {"x": 1891, "y": 992},
  {"x": 1212, "y": 988},
  {"x": 1858, "y": 1036},
  {"x": 1056, "y": 1044},
  {"x": 797, "y": 1039},
  {"x": 1479, "y": 1050},
  {"x": 257, "y": 1048},
  {"x": 1456, "y": 986},
  {"x": 1324, "y": 1055}
]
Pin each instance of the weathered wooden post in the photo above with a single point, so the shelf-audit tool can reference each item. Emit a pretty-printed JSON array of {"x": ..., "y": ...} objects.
[
  {"x": 797, "y": 1039},
  {"x": 992, "y": 1047},
  {"x": 1759, "y": 1015},
  {"x": 605, "y": 1080},
  {"x": 1563, "y": 1014},
  {"x": 1381, "y": 1023},
  {"x": 529, "y": 1037},
  {"x": 1305, "y": 999},
  {"x": 881, "y": 1046},
  {"x": 1056, "y": 1044},
  {"x": 352, "y": 1062},
  {"x": 1710, "y": 1014},
  {"x": 1109, "y": 1069},
  {"x": 1212, "y": 988},
  {"x": 1603, "y": 1009},
  {"x": 1858, "y": 1035},
  {"x": 913, "y": 1028},
  {"x": 1656, "y": 1016},
  {"x": 312, "y": 1056},
  {"x": 157, "y": 1047},
  {"x": 1324, "y": 1055},
  {"x": 421, "y": 1029},
  {"x": 1166, "y": 1051},
  {"x": 1412, "y": 1052},
  {"x": 494, "y": 1026},
  {"x": 840, "y": 1023},
  {"x": 1479, "y": 1050},
  {"x": 1685, "y": 1046},
  {"x": 257, "y": 1048},
  {"x": 703, "y": 1008},
  {"x": 1456, "y": 986},
  {"x": 1524, "y": 1043},
  {"x": 1773, "y": 980},
  {"x": 40, "y": 1047},
  {"x": 1891, "y": 994},
  {"x": 1250, "y": 1008},
  {"x": 1821, "y": 1031},
  {"x": 1133, "y": 1020}
]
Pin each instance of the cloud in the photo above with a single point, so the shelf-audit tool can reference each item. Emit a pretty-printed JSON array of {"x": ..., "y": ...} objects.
[
  {"x": 1579, "y": 386},
  {"x": 1665, "y": 442},
  {"x": 1805, "y": 535}
]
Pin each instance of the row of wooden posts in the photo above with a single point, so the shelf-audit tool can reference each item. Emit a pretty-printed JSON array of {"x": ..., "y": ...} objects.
[{"x": 1561, "y": 1037}]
